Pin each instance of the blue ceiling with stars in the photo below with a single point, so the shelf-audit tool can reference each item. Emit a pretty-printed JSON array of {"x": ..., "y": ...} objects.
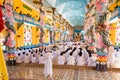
[{"x": 71, "y": 10}]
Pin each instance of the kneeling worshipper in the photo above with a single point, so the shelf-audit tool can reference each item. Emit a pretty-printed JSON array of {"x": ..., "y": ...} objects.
[
  {"x": 27, "y": 59},
  {"x": 40, "y": 58},
  {"x": 71, "y": 59},
  {"x": 90, "y": 61},
  {"x": 34, "y": 59},
  {"x": 48, "y": 72},
  {"x": 23, "y": 56},
  {"x": 80, "y": 59},
  {"x": 19, "y": 58},
  {"x": 85, "y": 53},
  {"x": 61, "y": 59}
]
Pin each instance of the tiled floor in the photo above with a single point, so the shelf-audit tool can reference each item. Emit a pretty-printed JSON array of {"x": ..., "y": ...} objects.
[{"x": 36, "y": 73}]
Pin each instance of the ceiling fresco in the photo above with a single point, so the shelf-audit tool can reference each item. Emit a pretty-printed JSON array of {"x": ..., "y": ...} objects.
[{"x": 71, "y": 10}]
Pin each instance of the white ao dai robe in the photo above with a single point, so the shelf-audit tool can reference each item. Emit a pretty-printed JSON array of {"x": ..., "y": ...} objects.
[
  {"x": 48, "y": 64},
  {"x": 61, "y": 60},
  {"x": 19, "y": 59},
  {"x": 80, "y": 61},
  {"x": 71, "y": 60}
]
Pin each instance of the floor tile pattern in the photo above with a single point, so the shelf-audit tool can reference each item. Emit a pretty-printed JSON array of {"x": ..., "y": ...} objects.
[{"x": 36, "y": 73}]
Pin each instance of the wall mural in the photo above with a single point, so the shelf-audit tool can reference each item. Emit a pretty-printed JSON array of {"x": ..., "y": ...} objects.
[{"x": 27, "y": 35}]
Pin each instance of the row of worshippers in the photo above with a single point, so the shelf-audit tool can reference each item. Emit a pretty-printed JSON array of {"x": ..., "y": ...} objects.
[
  {"x": 30, "y": 55},
  {"x": 70, "y": 56},
  {"x": 77, "y": 56},
  {"x": 66, "y": 55}
]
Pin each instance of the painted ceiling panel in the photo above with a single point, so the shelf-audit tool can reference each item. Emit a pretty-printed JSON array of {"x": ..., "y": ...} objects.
[
  {"x": 74, "y": 17},
  {"x": 72, "y": 5},
  {"x": 75, "y": 20},
  {"x": 71, "y": 10},
  {"x": 58, "y": 2},
  {"x": 72, "y": 13}
]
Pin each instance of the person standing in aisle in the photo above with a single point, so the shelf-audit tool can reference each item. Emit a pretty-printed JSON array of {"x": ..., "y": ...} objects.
[
  {"x": 48, "y": 64},
  {"x": 111, "y": 56}
]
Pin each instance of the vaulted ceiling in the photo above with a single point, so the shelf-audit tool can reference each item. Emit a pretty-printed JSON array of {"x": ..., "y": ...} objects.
[{"x": 71, "y": 10}]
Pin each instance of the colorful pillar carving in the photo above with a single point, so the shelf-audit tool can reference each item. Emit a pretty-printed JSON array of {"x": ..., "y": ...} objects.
[
  {"x": 42, "y": 21},
  {"x": 9, "y": 24},
  {"x": 101, "y": 6}
]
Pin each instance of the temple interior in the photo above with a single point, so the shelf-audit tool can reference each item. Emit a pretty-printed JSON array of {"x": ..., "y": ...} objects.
[{"x": 59, "y": 39}]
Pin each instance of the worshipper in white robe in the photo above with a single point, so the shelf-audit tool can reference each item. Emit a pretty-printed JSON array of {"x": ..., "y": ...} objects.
[
  {"x": 69, "y": 44},
  {"x": 23, "y": 56},
  {"x": 117, "y": 52},
  {"x": 58, "y": 52},
  {"x": 22, "y": 50},
  {"x": 90, "y": 61},
  {"x": 54, "y": 54},
  {"x": 19, "y": 58},
  {"x": 26, "y": 50},
  {"x": 61, "y": 59},
  {"x": 111, "y": 56},
  {"x": 65, "y": 47},
  {"x": 117, "y": 59},
  {"x": 48, "y": 64},
  {"x": 37, "y": 56},
  {"x": 60, "y": 48},
  {"x": 43, "y": 50},
  {"x": 75, "y": 53},
  {"x": 31, "y": 55},
  {"x": 34, "y": 53},
  {"x": 27, "y": 58},
  {"x": 85, "y": 54},
  {"x": 41, "y": 59},
  {"x": 77, "y": 48},
  {"x": 67, "y": 53},
  {"x": 71, "y": 59},
  {"x": 80, "y": 59},
  {"x": 34, "y": 59}
]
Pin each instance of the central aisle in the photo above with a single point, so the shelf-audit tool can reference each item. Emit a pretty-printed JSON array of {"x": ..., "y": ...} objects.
[{"x": 28, "y": 72}]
